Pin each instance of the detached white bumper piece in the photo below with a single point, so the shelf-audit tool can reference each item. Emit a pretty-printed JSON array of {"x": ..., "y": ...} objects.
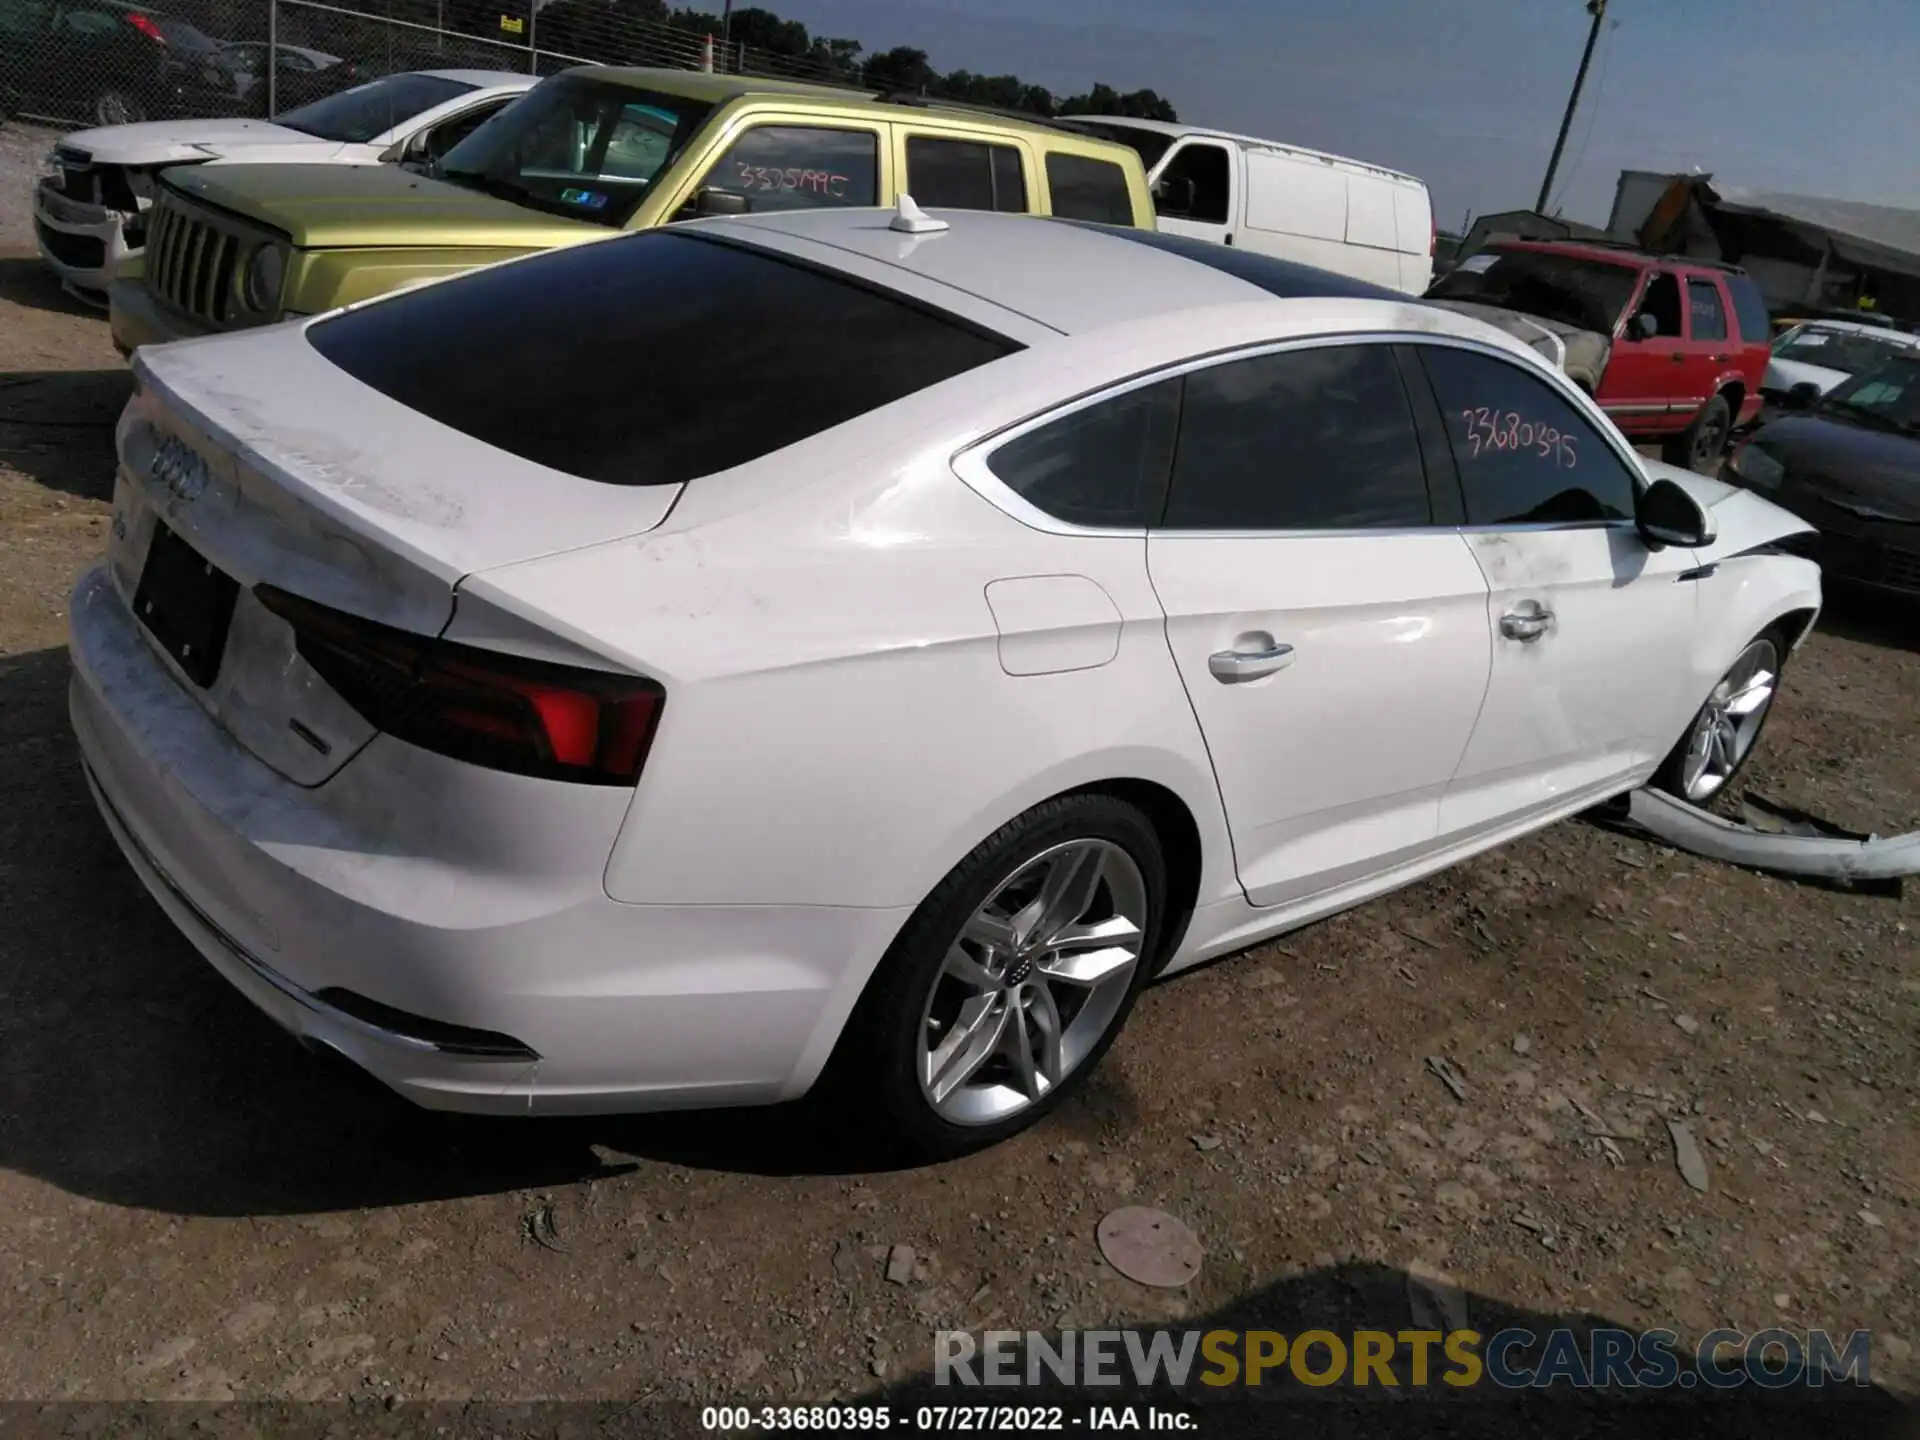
[{"x": 1803, "y": 851}]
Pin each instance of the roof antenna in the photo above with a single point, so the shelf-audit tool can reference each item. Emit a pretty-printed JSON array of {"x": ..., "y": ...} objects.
[{"x": 910, "y": 219}]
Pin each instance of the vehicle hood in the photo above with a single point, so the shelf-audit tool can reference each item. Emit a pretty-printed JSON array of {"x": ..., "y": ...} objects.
[
  {"x": 1785, "y": 374},
  {"x": 1742, "y": 520},
  {"x": 174, "y": 142},
  {"x": 1568, "y": 346},
  {"x": 1851, "y": 465},
  {"x": 375, "y": 206}
]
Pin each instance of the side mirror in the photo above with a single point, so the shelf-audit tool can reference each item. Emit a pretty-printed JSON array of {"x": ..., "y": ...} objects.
[
  {"x": 1175, "y": 196},
  {"x": 721, "y": 202},
  {"x": 1668, "y": 515},
  {"x": 1802, "y": 396},
  {"x": 1645, "y": 326}
]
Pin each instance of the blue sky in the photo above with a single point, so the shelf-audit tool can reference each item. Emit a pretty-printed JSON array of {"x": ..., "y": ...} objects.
[{"x": 1785, "y": 94}]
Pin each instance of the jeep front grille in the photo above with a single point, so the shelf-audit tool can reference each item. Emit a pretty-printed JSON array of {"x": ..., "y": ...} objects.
[{"x": 193, "y": 261}]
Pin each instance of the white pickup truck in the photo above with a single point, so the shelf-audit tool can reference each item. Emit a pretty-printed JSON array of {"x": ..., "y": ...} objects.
[{"x": 90, "y": 202}]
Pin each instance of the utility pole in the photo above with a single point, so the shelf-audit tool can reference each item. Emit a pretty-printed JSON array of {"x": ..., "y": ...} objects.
[
  {"x": 726, "y": 28},
  {"x": 1598, "y": 10}
]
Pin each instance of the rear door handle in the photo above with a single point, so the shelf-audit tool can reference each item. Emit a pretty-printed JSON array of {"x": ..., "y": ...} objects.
[
  {"x": 1525, "y": 626},
  {"x": 1677, "y": 356},
  {"x": 1230, "y": 667}
]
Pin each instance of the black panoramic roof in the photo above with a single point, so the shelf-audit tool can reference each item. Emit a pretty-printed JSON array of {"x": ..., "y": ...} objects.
[{"x": 1284, "y": 278}]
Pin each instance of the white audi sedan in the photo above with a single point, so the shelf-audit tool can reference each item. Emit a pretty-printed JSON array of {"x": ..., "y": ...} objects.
[{"x": 856, "y": 649}]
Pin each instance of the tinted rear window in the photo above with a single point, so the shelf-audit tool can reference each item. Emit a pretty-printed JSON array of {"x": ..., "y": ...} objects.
[
  {"x": 651, "y": 359},
  {"x": 1086, "y": 189},
  {"x": 1750, "y": 309}
]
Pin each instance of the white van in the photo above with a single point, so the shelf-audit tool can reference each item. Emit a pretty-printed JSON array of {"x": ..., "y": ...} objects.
[{"x": 1338, "y": 214}]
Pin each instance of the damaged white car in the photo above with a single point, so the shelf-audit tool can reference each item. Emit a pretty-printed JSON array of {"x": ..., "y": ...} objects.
[
  {"x": 90, "y": 203},
  {"x": 837, "y": 648}
]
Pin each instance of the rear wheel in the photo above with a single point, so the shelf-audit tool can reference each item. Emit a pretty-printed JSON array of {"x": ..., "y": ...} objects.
[
  {"x": 1011, "y": 979},
  {"x": 1726, "y": 729},
  {"x": 1700, "y": 446}
]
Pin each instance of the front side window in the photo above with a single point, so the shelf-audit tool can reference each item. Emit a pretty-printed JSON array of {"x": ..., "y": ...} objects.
[
  {"x": 1319, "y": 439},
  {"x": 1662, "y": 302},
  {"x": 1705, "y": 312},
  {"x": 1086, "y": 189},
  {"x": 355, "y": 116},
  {"x": 577, "y": 146},
  {"x": 800, "y": 167},
  {"x": 449, "y": 133},
  {"x": 1197, "y": 185},
  {"x": 650, "y": 359},
  {"x": 1525, "y": 455},
  {"x": 1104, "y": 466},
  {"x": 965, "y": 175}
]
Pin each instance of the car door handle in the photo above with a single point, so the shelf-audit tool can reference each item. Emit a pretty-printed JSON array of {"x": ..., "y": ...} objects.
[
  {"x": 1677, "y": 356},
  {"x": 1230, "y": 667},
  {"x": 1721, "y": 359},
  {"x": 1525, "y": 625}
]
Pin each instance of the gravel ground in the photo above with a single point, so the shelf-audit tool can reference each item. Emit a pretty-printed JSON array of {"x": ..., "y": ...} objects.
[
  {"x": 21, "y": 147},
  {"x": 190, "y": 1207}
]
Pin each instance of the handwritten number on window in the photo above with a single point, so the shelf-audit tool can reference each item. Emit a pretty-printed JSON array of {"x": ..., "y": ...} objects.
[
  {"x": 1494, "y": 431},
  {"x": 813, "y": 182}
]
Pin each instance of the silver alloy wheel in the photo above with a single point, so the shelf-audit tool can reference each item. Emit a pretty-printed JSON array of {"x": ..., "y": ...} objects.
[
  {"x": 115, "y": 107},
  {"x": 1032, "y": 981},
  {"x": 1730, "y": 721}
]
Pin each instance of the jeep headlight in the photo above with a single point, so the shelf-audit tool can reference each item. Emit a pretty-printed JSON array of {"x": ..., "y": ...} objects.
[
  {"x": 266, "y": 272},
  {"x": 1757, "y": 467}
]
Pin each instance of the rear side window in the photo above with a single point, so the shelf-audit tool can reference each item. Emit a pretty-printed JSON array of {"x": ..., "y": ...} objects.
[
  {"x": 1318, "y": 439},
  {"x": 651, "y": 359},
  {"x": 1705, "y": 312},
  {"x": 965, "y": 175},
  {"x": 1104, "y": 466},
  {"x": 1750, "y": 309},
  {"x": 1085, "y": 189}
]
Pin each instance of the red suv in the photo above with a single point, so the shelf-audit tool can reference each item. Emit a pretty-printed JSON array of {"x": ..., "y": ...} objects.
[{"x": 1673, "y": 348}]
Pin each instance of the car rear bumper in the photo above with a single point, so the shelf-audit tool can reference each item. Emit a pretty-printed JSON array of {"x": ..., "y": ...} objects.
[{"x": 461, "y": 987}]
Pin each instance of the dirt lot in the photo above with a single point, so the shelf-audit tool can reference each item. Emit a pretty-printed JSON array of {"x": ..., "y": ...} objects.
[{"x": 191, "y": 1208}]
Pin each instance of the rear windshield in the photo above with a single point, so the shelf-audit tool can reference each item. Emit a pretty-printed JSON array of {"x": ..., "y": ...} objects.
[
  {"x": 182, "y": 36},
  {"x": 649, "y": 359},
  {"x": 581, "y": 147},
  {"x": 355, "y": 116},
  {"x": 1569, "y": 288}
]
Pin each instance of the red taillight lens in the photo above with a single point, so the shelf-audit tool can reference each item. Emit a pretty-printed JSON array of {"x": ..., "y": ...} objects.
[
  {"x": 147, "y": 26},
  {"x": 501, "y": 711},
  {"x": 1433, "y": 235}
]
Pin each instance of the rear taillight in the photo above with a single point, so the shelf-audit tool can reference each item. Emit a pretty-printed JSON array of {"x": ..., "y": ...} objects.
[
  {"x": 148, "y": 27},
  {"x": 530, "y": 717},
  {"x": 1433, "y": 235}
]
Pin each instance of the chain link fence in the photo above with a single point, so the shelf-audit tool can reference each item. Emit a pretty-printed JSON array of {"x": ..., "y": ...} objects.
[{"x": 106, "y": 62}]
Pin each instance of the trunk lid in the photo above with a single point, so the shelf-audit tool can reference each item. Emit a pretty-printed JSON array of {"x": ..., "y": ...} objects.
[
  {"x": 375, "y": 510},
  {"x": 375, "y": 206}
]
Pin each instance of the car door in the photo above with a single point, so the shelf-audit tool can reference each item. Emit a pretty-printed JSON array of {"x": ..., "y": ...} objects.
[
  {"x": 1331, "y": 635},
  {"x": 777, "y": 163},
  {"x": 957, "y": 172},
  {"x": 1708, "y": 350},
  {"x": 1590, "y": 629},
  {"x": 1643, "y": 366},
  {"x": 1196, "y": 190}
]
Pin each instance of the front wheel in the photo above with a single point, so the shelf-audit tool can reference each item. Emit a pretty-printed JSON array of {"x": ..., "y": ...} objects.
[
  {"x": 114, "y": 106},
  {"x": 1700, "y": 446},
  {"x": 1011, "y": 979},
  {"x": 1723, "y": 734}
]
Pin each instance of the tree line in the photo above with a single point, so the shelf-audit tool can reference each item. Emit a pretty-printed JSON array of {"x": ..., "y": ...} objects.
[{"x": 631, "y": 31}]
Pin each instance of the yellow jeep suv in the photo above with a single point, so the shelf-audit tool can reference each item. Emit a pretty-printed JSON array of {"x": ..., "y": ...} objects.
[{"x": 585, "y": 153}]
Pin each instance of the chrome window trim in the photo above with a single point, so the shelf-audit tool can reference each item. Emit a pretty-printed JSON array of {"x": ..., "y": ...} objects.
[{"x": 973, "y": 463}]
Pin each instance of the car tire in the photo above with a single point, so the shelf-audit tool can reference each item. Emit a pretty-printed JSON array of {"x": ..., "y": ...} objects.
[
  {"x": 923, "y": 1004},
  {"x": 1701, "y": 445},
  {"x": 1725, "y": 730},
  {"x": 114, "y": 106}
]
